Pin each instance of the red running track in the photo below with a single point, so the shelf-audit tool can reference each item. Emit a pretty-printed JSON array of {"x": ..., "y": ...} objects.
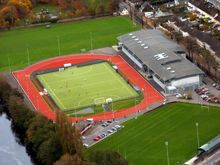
[{"x": 151, "y": 95}]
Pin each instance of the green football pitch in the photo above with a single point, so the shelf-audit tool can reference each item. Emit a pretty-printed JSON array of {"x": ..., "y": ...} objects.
[
  {"x": 84, "y": 86},
  {"x": 28, "y": 45},
  {"x": 142, "y": 141}
]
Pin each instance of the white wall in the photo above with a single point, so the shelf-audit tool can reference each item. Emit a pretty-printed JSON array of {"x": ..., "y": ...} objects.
[
  {"x": 186, "y": 81},
  {"x": 132, "y": 58}
]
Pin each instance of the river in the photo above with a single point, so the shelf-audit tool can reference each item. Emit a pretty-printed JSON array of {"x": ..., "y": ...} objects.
[{"x": 11, "y": 152}]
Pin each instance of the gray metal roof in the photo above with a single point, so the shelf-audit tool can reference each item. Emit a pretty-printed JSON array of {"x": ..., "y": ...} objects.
[
  {"x": 158, "y": 52},
  {"x": 211, "y": 144}
]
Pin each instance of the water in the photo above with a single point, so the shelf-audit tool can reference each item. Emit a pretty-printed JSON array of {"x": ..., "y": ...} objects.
[{"x": 11, "y": 152}]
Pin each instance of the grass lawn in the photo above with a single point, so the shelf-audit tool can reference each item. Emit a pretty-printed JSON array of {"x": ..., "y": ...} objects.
[
  {"x": 142, "y": 141},
  {"x": 78, "y": 87},
  {"x": 43, "y": 43}
]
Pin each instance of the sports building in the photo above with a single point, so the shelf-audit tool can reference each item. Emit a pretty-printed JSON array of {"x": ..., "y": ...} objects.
[{"x": 162, "y": 59}]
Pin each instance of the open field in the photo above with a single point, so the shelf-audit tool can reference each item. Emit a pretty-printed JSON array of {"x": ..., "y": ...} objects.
[
  {"x": 43, "y": 43},
  {"x": 78, "y": 87},
  {"x": 142, "y": 141}
]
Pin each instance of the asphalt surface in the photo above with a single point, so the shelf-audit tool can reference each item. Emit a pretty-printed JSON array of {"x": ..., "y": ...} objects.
[{"x": 97, "y": 130}]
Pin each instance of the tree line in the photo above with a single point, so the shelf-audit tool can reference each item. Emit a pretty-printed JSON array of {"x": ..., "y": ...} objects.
[
  {"x": 20, "y": 12},
  {"x": 46, "y": 141}
]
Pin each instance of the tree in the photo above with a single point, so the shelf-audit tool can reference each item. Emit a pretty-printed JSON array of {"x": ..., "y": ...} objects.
[
  {"x": 5, "y": 89},
  {"x": 23, "y": 7},
  {"x": 68, "y": 159},
  {"x": 107, "y": 158},
  {"x": 113, "y": 6},
  {"x": 191, "y": 46},
  {"x": 39, "y": 131},
  {"x": 69, "y": 135},
  {"x": 9, "y": 15},
  {"x": 101, "y": 9},
  {"x": 92, "y": 7},
  {"x": 178, "y": 36},
  {"x": 20, "y": 114},
  {"x": 50, "y": 150}
]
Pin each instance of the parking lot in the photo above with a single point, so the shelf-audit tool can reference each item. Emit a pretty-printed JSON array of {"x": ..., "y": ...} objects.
[
  {"x": 100, "y": 131},
  {"x": 208, "y": 93}
]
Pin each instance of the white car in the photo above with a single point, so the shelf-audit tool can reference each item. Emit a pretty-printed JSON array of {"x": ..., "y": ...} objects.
[
  {"x": 117, "y": 126},
  {"x": 110, "y": 131},
  {"x": 85, "y": 145},
  {"x": 114, "y": 129},
  {"x": 178, "y": 95},
  {"x": 83, "y": 138}
]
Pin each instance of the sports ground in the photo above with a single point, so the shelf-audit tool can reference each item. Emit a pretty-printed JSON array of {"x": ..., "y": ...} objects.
[
  {"x": 41, "y": 103},
  {"x": 22, "y": 47},
  {"x": 84, "y": 86},
  {"x": 142, "y": 141}
]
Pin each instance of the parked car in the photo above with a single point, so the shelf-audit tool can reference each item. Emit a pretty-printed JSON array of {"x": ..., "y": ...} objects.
[
  {"x": 110, "y": 131},
  {"x": 96, "y": 138},
  {"x": 214, "y": 84},
  {"x": 218, "y": 87},
  {"x": 178, "y": 95},
  {"x": 102, "y": 135},
  {"x": 85, "y": 145},
  {"x": 118, "y": 127},
  {"x": 114, "y": 129},
  {"x": 105, "y": 124}
]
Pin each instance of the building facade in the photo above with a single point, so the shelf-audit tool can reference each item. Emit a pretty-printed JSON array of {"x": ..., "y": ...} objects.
[{"x": 162, "y": 59}]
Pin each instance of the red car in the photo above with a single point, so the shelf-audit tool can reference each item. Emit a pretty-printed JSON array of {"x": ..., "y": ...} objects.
[{"x": 97, "y": 138}]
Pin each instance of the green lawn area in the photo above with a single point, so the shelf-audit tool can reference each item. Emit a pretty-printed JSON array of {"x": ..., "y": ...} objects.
[
  {"x": 43, "y": 43},
  {"x": 84, "y": 86},
  {"x": 142, "y": 141}
]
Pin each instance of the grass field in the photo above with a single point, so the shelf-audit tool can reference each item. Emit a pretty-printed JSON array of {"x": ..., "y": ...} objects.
[
  {"x": 142, "y": 141},
  {"x": 84, "y": 86},
  {"x": 42, "y": 43}
]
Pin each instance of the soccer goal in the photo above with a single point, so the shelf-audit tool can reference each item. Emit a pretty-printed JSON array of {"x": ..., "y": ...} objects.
[{"x": 99, "y": 101}]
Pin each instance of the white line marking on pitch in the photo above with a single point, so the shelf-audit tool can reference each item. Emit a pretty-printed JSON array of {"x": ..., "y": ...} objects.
[{"x": 53, "y": 92}]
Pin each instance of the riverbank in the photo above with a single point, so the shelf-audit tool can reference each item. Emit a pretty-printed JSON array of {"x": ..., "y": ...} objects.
[{"x": 11, "y": 150}]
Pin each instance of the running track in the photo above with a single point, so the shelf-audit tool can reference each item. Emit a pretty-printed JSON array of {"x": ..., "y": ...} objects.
[{"x": 151, "y": 96}]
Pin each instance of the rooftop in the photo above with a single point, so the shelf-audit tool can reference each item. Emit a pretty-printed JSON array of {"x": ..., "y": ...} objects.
[
  {"x": 160, "y": 53},
  {"x": 211, "y": 144}
]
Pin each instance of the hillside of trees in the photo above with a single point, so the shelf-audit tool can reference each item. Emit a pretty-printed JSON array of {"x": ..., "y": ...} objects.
[
  {"x": 23, "y": 12},
  {"x": 46, "y": 141}
]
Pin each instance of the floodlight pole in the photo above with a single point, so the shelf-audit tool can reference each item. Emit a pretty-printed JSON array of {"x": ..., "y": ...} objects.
[
  {"x": 136, "y": 109},
  {"x": 167, "y": 147},
  {"x": 9, "y": 63},
  {"x": 197, "y": 133},
  {"x": 28, "y": 56},
  {"x": 58, "y": 44},
  {"x": 91, "y": 44}
]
